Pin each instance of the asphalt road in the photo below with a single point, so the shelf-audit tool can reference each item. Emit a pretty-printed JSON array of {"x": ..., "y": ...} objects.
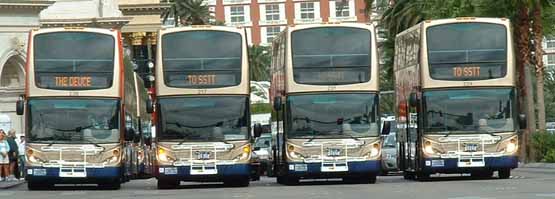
[{"x": 524, "y": 184}]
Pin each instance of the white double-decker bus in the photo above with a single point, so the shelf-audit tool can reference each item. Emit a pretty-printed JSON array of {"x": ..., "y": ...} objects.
[
  {"x": 81, "y": 109},
  {"x": 202, "y": 106},
  {"x": 456, "y": 98},
  {"x": 325, "y": 99}
]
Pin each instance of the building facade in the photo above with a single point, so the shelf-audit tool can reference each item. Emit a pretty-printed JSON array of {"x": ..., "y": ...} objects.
[
  {"x": 264, "y": 19},
  {"x": 549, "y": 56}
]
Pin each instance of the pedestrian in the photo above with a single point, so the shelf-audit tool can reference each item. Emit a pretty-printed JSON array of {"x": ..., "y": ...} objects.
[
  {"x": 4, "y": 158},
  {"x": 21, "y": 160},
  {"x": 13, "y": 154}
]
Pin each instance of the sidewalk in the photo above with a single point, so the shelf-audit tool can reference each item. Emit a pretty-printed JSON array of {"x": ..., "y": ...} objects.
[
  {"x": 539, "y": 165},
  {"x": 10, "y": 184}
]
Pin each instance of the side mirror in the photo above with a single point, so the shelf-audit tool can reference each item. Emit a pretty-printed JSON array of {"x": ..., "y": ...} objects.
[
  {"x": 149, "y": 106},
  {"x": 257, "y": 130},
  {"x": 20, "y": 107},
  {"x": 129, "y": 134},
  {"x": 522, "y": 123},
  {"x": 386, "y": 127},
  {"x": 413, "y": 100},
  {"x": 277, "y": 103},
  {"x": 256, "y": 148}
]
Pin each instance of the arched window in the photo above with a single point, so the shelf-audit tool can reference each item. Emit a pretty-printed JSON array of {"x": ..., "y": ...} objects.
[{"x": 12, "y": 73}]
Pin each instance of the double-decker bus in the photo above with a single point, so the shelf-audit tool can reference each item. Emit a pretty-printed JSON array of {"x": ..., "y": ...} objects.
[
  {"x": 202, "y": 106},
  {"x": 80, "y": 107},
  {"x": 456, "y": 98},
  {"x": 325, "y": 100}
]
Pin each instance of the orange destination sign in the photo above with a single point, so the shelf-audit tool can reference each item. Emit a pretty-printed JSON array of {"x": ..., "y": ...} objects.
[
  {"x": 201, "y": 79},
  {"x": 466, "y": 71},
  {"x": 73, "y": 81}
]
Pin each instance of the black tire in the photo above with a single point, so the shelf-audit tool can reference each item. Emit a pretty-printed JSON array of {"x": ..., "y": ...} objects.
[
  {"x": 287, "y": 180},
  {"x": 110, "y": 186},
  {"x": 421, "y": 176},
  {"x": 482, "y": 174},
  {"x": 166, "y": 184},
  {"x": 408, "y": 176},
  {"x": 504, "y": 173},
  {"x": 237, "y": 182},
  {"x": 38, "y": 186}
]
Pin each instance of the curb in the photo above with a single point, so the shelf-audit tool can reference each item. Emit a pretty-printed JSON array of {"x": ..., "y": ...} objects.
[
  {"x": 11, "y": 185},
  {"x": 539, "y": 165}
]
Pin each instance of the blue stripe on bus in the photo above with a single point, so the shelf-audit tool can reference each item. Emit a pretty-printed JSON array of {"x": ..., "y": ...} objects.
[
  {"x": 490, "y": 163},
  {"x": 223, "y": 170},
  {"x": 372, "y": 166},
  {"x": 107, "y": 172}
]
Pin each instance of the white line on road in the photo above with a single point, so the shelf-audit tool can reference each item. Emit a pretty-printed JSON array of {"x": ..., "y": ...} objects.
[
  {"x": 548, "y": 195},
  {"x": 470, "y": 197}
]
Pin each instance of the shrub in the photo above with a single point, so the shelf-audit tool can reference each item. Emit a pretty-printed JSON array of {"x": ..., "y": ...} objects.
[
  {"x": 260, "y": 108},
  {"x": 544, "y": 144}
]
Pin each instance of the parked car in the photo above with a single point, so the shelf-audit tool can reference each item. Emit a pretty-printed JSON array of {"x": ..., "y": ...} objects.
[
  {"x": 262, "y": 153},
  {"x": 389, "y": 148}
]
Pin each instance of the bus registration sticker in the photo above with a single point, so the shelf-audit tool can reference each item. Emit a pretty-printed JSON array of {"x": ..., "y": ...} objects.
[
  {"x": 438, "y": 163},
  {"x": 170, "y": 171}
]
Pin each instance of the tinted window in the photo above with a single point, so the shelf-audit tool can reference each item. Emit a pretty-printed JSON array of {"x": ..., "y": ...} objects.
[
  {"x": 84, "y": 121},
  {"x": 73, "y": 60},
  {"x": 467, "y": 51},
  {"x": 331, "y": 55},
  {"x": 202, "y": 59},
  {"x": 204, "y": 118},
  {"x": 332, "y": 115}
]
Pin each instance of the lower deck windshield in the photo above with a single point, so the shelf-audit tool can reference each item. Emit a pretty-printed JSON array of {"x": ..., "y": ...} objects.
[
  {"x": 73, "y": 121},
  {"x": 335, "y": 115},
  {"x": 208, "y": 118},
  {"x": 469, "y": 110}
]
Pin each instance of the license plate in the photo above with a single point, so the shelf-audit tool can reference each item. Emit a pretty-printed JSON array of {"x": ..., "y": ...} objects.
[
  {"x": 334, "y": 152},
  {"x": 203, "y": 155},
  {"x": 471, "y": 147},
  {"x": 301, "y": 167},
  {"x": 438, "y": 163},
  {"x": 39, "y": 172},
  {"x": 170, "y": 171}
]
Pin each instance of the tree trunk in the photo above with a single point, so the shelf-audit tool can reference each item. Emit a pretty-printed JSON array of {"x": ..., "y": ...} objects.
[
  {"x": 522, "y": 35},
  {"x": 540, "y": 70}
]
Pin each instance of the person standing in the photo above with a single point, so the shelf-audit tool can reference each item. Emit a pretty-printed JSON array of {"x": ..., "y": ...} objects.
[
  {"x": 13, "y": 154},
  {"x": 4, "y": 158},
  {"x": 21, "y": 157}
]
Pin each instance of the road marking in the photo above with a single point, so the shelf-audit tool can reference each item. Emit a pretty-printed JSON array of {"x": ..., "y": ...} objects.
[
  {"x": 6, "y": 193},
  {"x": 73, "y": 193},
  {"x": 470, "y": 197},
  {"x": 549, "y": 195}
]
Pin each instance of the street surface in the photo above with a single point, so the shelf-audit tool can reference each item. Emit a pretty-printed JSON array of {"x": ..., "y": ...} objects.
[{"x": 524, "y": 184}]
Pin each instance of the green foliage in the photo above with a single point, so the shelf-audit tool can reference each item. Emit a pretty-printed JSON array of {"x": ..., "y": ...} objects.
[
  {"x": 260, "y": 59},
  {"x": 544, "y": 143},
  {"x": 188, "y": 12},
  {"x": 548, "y": 88},
  {"x": 261, "y": 108}
]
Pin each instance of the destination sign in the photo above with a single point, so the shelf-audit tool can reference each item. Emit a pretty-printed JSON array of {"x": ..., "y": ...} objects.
[
  {"x": 202, "y": 79},
  {"x": 331, "y": 77},
  {"x": 465, "y": 72},
  {"x": 73, "y": 82}
]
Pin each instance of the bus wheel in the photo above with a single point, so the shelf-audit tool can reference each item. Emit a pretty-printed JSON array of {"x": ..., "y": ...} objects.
[
  {"x": 504, "y": 173},
  {"x": 166, "y": 184},
  {"x": 421, "y": 176},
  {"x": 38, "y": 186},
  {"x": 110, "y": 186},
  {"x": 237, "y": 182},
  {"x": 408, "y": 176},
  {"x": 286, "y": 180}
]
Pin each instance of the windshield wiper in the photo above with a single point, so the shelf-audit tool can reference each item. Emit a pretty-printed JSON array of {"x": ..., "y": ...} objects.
[{"x": 91, "y": 142}]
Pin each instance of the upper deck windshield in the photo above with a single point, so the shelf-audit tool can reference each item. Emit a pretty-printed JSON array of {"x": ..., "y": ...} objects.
[
  {"x": 332, "y": 115},
  {"x": 331, "y": 55},
  {"x": 73, "y": 60},
  {"x": 73, "y": 121},
  {"x": 467, "y": 51},
  {"x": 213, "y": 118},
  {"x": 202, "y": 59},
  {"x": 469, "y": 110}
]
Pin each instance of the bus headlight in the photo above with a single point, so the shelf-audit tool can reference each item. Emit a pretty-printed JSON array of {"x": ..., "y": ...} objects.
[
  {"x": 113, "y": 157},
  {"x": 428, "y": 148},
  {"x": 31, "y": 156},
  {"x": 375, "y": 150},
  {"x": 293, "y": 154},
  {"x": 510, "y": 146},
  {"x": 164, "y": 155}
]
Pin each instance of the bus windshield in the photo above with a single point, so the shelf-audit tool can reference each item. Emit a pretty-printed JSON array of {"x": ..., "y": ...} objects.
[
  {"x": 469, "y": 111},
  {"x": 204, "y": 118},
  {"x": 332, "y": 115},
  {"x": 467, "y": 51},
  {"x": 73, "y": 120},
  {"x": 202, "y": 59},
  {"x": 73, "y": 60},
  {"x": 331, "y": 55}
]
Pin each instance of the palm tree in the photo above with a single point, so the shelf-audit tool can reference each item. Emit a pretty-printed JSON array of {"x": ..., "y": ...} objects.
[
  {"x": 188, "y": 12},
  {"x": 259, "y": 60}
]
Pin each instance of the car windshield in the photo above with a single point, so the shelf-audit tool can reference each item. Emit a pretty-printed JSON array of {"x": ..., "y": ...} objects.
[
  {"x": 466, "y": 110},
  {"x": 263, "y": 142},
  {"x": 73, "y": 120},
  {"x": 203, "y": 118},
  {"x": 332, "y": 115},
  {"x": 390, "y": 141}
]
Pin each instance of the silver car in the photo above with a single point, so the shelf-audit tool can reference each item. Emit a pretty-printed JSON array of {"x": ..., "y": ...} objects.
[{"x": 389, "y": 154}]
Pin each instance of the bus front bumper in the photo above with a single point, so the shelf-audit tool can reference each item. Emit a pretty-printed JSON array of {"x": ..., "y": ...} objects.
[
  {"x": 183, "y": 173},
  {"x": 453, "y": 165},
  {"x": 91, "y": 176},
  {"x": 315, "y": 170}
]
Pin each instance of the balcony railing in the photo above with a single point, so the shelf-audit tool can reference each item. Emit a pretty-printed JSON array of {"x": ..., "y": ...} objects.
[
  {"x": 229, "y": 2},
  {"x": 305, "y": 21},
  {"x": 273, "y": 22}
]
